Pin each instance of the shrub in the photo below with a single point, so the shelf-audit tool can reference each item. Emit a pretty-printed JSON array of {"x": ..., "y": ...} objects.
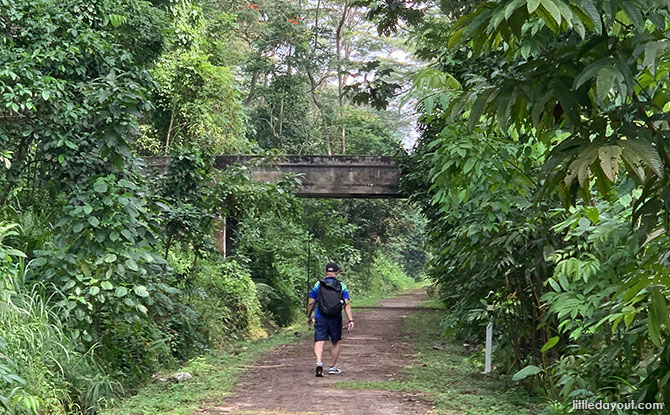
[
  {"x": 41, "y": 367},
  {"x": 222, "y": 295}
]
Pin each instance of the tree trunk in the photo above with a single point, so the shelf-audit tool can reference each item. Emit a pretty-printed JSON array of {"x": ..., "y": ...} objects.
[
  {"x": 252, "y": 87},
  {"x": 340, "y": 76},
  {"x": 316, "y": 24},
  {"x": 171, "y": 126},
  {"x": 317, "y": 104}
]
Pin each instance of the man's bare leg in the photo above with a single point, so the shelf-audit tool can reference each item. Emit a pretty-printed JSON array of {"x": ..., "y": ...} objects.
[
  {"x": 318, "y": 351},
  {"x": 335, "y": 352}
]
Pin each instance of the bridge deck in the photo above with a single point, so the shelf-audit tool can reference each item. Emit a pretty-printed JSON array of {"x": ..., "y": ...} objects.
[{"x": 322, "y": 176}]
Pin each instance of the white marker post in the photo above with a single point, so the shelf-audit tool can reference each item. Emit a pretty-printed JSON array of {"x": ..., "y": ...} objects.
[{"x": 489, "y": 335}]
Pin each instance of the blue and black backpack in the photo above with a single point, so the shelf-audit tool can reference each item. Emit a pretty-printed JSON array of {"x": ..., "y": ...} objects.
[{"x": 330, "y": 299}]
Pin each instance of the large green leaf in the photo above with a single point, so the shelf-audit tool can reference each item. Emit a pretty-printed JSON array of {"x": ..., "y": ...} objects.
[
  {"x": 657, "y": 317},
  {"x": 646, "y": 152},
  {"x": 551, "y": 7},
  {"x": 633, "y": 12},
  {"x": 550, "y": 343},
  {"x": 512, "y": 7},
  {"x": 594, "y": 15},
  {"x": 652, "y": 50},
  {"x": 532, "y": 5},
  {"x": 591, "y": 70},
  {"x": 529, "y": 370},
  {"x": 580, "y": 166},
  {"x": 606, "y": 80},
  {"x": 610, "y": 157},
  {"x": 480, "y": 105},
  {"x": 141, "y": 291}
]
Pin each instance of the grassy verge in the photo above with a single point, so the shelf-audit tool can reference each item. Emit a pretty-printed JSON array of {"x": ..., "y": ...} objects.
[
  {"x": 214, "y": 374},
  {"x": 369, "y": 300},
  {"x": 373, "y": 300},
  {"x": 444, "y": 374},
  {"x": 432, "y": 303}
]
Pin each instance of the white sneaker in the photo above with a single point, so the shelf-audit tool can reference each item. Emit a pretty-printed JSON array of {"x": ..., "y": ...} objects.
[{"x": 334, "y": 370}]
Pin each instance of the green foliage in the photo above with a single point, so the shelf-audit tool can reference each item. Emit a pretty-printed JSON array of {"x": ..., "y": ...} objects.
[
  {"x": 297, "y": 54},
  {"x": 369, "y": 133},
  {"x": 190, "y": 206},
  {"x": 376, "y": 89},
  {"x": 103, "y": 263},
  {"x": 277, "y": 245},
  {"x": 389, "y": 17},
  {"x": 72, "y": 86},
  {"x": 595, "y": 71},
  {"x": 289, "y": 249},
  {"x": 70, "y": 90},
  {"x": 14, "y": 398},
  {"x": 526, "y": 102},
  {"x": 608, "y": 298},
  {"x": 197, "y": 101},
  {"x": 42, "y": 367},
  {"x": 485, "y": 232},
  {"x": 579, "y": 296},
  {"x": 112, "y": 282},
  {"x": 50, "y": 373},
  {"x": 385, "y": 277},
  {"x": 280, "y": 122},
  {"x": 224, "y": 297}
]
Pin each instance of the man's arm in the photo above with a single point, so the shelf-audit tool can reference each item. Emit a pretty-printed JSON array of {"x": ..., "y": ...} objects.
[
  {"x": 347, "y": 309},
  {"x": 310, "y": 308}
]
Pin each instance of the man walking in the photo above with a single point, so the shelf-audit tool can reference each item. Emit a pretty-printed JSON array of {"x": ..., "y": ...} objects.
[{"x": 330, "y": 296}]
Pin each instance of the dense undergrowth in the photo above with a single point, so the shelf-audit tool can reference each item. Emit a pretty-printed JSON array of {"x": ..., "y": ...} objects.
[
  {"x": 544, "y": 177},
  {"x": 77, "y": 342}
]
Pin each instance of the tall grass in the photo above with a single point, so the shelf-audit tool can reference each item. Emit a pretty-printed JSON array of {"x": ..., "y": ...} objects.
[{"x": 42, "y": 369}]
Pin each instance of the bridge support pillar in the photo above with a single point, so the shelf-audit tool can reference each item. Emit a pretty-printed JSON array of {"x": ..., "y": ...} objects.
[
  {"x": 219, "y": 233},
  {"x": 224, "y": 231}
]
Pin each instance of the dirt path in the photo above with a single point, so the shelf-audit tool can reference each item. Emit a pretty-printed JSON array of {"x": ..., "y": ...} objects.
[{"x": 284, "y": 382}]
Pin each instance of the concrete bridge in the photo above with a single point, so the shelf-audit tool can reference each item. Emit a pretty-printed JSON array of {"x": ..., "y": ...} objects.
[
  {"x": 321, "y": 176},
  {"x": 371, "y": 177}
]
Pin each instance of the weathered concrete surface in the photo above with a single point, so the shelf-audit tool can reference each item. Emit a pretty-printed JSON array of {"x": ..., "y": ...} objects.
[{"x": 322, "y": 176}]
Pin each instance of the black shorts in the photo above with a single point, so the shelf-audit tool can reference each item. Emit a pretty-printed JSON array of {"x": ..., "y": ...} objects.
[{"x": 328, "y": 328}]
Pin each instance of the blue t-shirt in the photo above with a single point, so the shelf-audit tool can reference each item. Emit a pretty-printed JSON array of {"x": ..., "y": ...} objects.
[{"x": 314, "y": 293}]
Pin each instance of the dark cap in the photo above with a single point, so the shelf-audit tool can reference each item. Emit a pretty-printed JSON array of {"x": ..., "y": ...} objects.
[{"x": 332, "y": 267}]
